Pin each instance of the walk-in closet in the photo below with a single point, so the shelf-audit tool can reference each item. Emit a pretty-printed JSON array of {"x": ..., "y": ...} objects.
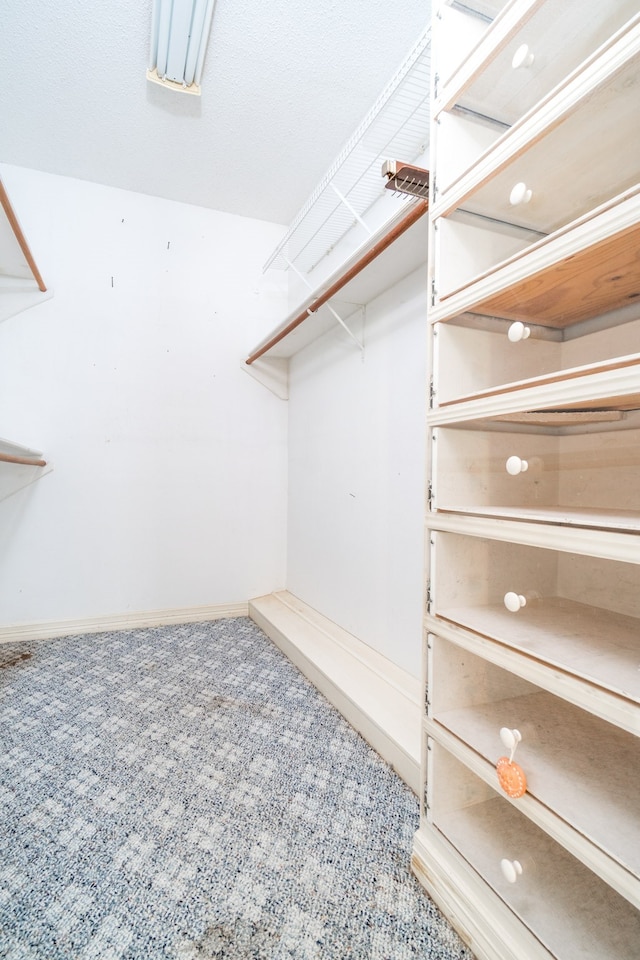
[{"x": 320, "y": 480}]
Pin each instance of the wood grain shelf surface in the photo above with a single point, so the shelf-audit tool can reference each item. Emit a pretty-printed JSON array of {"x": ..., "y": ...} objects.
[{"x": 596, "y": 280}]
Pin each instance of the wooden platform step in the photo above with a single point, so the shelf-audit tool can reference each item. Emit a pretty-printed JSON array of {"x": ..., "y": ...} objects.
[{"x": 379, "y": 699}]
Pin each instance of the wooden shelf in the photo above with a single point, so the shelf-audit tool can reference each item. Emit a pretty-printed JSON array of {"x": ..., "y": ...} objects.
[
  {"x": 552, "y": 774},
  {"x": 585, "y": 694},
  {"x": 560, "y": 419},
  {"x": 566, "y": 378},
  {"x": 571, "y": 910},
  {"x": 608, "y": 386},
  {"x": 590, "y": 541},
  {"x": 627, "y": 521},
  {"x": 558, "y": 296},
  {"x": 406, "y": 253},
  {"x": 563, "y": 749},
  {"x": 589, "y": 267},
  {"x": 598, "y": 645}
]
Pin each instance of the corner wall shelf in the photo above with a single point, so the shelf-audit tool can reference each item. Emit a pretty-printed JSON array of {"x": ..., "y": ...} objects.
[
  {"x": 21, "y": 284},
  {"x": 397, "y": 249},
  {"x": 19, "y": 467}
]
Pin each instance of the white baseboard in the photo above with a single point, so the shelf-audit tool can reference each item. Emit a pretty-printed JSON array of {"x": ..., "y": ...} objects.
[
  {"x": 381, "y": 701},
  {"x": 124, "y": 621}
]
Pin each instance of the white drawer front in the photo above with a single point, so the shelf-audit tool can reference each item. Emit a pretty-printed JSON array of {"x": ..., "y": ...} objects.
[
  {"x": 580, "y": 614},
  {"x": 519, "y": 63},
  {"x": 563, "y": 903},
  {"x": 590, "y": 479},
  {"x": 498, "y": 354},
  {"x": 521, "y": 176},
  {"x": 563, "y": 751}
]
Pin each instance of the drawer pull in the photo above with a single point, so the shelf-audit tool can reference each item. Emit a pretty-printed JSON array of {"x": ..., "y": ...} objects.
[
  {"x": 514, "y": 601},
  {"x": 511, "y": 776},
  {"x": 520, "y": 194},
  {"x": 511, "y": 870},
  {"x": 523, "y": 57},
  {"x": 517, "y": 331},
  {"x": 511, "y": 739},
  {"x": 516, "y": 465}
]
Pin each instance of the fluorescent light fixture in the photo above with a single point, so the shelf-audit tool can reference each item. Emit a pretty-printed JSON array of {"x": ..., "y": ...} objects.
[{"x": 179, "y": 34}]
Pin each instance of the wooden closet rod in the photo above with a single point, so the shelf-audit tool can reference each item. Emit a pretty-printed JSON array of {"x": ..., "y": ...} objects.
[
  {"x": 20, "y": 237},
  {"x": 407, "y": 221},
  {"x": 27, "y": 461}
]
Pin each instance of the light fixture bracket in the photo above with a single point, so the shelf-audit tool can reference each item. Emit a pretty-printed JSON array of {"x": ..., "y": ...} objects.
[{"x": 193, "y": 88}]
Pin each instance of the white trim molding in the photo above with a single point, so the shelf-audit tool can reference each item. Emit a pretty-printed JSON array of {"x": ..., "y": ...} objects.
[{"x": 49, "y": 630}]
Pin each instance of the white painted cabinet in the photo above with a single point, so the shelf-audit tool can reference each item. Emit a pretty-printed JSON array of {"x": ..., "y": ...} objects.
[{"x": 532, "y": 629}]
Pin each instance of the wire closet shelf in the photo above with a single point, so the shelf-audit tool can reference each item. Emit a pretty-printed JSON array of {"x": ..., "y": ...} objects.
[{"x": 397, "y": 126}]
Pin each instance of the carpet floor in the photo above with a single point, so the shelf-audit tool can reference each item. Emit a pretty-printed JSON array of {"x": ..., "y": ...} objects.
[{"x": 181, "y": 793}]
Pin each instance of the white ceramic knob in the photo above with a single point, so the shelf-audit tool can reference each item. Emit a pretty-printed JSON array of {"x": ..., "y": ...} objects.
[
  {"x": 517, "y": 331},
  {"x": 520, "y": 193},
  {"x": 510, "y": 738},
  {"x": 511, "y": 870},
  {"x": 514, "y": 601},
  {"x": 516, "y": 465},
  {"x": 523, "y": 57}
]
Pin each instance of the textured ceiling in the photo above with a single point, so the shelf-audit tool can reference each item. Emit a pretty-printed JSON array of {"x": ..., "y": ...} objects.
[{"x": 285, "y": 84}]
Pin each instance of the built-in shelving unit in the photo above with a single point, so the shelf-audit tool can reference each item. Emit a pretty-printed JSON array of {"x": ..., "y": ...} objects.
[{"x": 532, "y": 646}]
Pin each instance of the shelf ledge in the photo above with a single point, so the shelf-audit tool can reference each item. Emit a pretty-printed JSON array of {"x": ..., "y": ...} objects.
[
  {"x": 20, "y": 466},
  {"x": 402, "y": 252}
]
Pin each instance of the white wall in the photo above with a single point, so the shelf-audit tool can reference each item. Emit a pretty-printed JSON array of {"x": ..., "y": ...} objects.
[
  {"x": 169, "y": 480},
  {"x": 357, "y": 473}
]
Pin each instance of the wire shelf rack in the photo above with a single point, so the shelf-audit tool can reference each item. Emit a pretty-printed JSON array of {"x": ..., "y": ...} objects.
[{"x": 397, "y": 126}]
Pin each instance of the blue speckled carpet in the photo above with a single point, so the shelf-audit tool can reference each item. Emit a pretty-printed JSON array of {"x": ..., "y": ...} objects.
[{"x": 184, "y": 793}]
